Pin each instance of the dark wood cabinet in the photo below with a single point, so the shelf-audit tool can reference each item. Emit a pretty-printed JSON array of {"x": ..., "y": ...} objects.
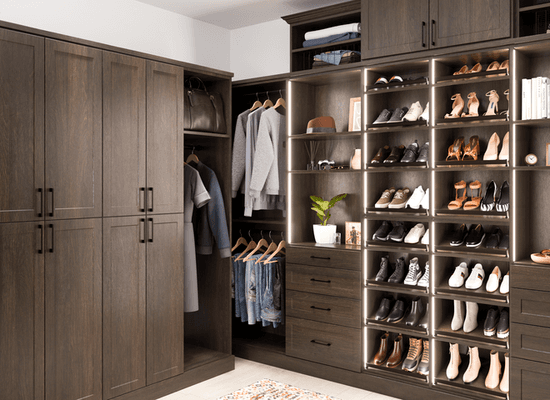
[
  {"x": 22, "y": 126},
  {"x": 73, "y": 308},
  {"x": 529, "y": 380},
  {"x": 73, "y": 131}
]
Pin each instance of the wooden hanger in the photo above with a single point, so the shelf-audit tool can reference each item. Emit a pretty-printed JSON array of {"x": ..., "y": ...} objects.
[
  {"x": 272, "y": 247},
  {"x": 268, "y": 103},
  {"x": 240, "y": 241},
  {"x": 261, "y": 243},
  {"x": 280, "y": 102},
  {"x": 282, "y": 245},
  {"x": 192, "y": 157},
  {"x": 257, "y": 103},
  {"x": 251, "y": 246}
]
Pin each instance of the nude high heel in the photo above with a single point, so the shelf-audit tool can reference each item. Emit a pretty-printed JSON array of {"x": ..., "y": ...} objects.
[
  {"x": 492, "y": 109},
  {"x": 505, "y": 151},
  {"x": 505, "y": 383},
  {"x": 507, "y": 93},
  {"x": 455, "y": 150},
  {"x": 493, "y": 66},
  {"x": 505, "y": 65},
  {"x": 475, "y": 68},
  {"x": 476, "y": 200},
  {"x": 492, "y": 148},
  {"x": 471, "y": 150},
  {"x": 473, "y": 105},
  {"x": 458, "y": 106},
  {"x": 462, "y": 70},
  {"x": 457, "y": 202}
]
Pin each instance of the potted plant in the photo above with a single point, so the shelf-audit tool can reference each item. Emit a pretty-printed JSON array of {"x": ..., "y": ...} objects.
[{"x": 324, "y": 233}]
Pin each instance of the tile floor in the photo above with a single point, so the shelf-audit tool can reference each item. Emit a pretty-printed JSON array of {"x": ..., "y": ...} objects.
[{"x": 247, "y": 372}]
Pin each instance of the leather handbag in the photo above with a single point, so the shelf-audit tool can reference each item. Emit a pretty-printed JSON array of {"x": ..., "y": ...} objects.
[{"x": 203, "y": 110}]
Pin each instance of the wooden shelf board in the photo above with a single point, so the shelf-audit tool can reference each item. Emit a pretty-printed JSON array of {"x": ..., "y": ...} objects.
[
  {"x": 447, "y": 165},
  {"x": 421, "y": 83},
  {"x": 397, "y": 288},
  {"x": 477, "y": 214},
  {"x": 492, "y": 76},
  {"x": 327, "y": 46},
  {"x": 207, "y": 134},
  {"x": 479, "y": 295},
  {"x": 397, "y": 245},
  {"x": 325, "y": 136},
  {"x": 388, "y": 126},
  {"x": 468, "y": 122},
  {"x": 310, "y": 245},
  {"x": 401, "y": 212},
  {"x": 398, "y": 373},
  {"x": 383, "y": 167},
  {"x": 332, "y": 171},
  {"x": 472, "y": 251},
  {"x": 474, "y": 338},
  {"x": 399, "y": 327}
]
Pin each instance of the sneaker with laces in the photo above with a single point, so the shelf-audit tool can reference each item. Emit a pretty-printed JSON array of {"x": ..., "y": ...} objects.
[
  {"x": 424, "y": 153},
  {"x": 415, "y": 200},
  {"x": 425, "y": 116},
  {"x": 384, "y": 116},
  {"x": 399, "y": 273},
  {"x": 400, "y": 198},
  {"x": 398, "y": 114},
  {"x": 383, "y": 272},
  {"x": 425, "y": 203},
  {"x": 385, "y": 199},
  {"x": 414, "y": 112},
  {"x": 424, "y": 365},
  {"x": 425, "y": 280},
  {"x": 414, "y": 272},
  {"x": 413, "y": 356}
]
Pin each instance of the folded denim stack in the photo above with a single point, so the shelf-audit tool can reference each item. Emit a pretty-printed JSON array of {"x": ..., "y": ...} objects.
[{"x": 332, "y": 35}]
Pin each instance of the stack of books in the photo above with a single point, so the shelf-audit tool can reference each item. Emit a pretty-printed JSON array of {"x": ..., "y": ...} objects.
[{"x": 535, "y": 98}]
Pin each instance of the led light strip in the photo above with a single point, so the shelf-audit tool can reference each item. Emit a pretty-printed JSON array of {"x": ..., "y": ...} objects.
[{"x": 289, "y": 164}]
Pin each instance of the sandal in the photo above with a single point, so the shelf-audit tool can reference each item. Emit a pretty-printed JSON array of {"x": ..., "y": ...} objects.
[
  {"x": 457, "y": 202},
  {"x": 455, "y": 150},
  {"x": 493, "y": 102},
  {"x": 476, "y": 200},
  {"x": 458, "y": 105},
  {"x": 471, "y": 150},
  {"x": 473, "y": 105}
]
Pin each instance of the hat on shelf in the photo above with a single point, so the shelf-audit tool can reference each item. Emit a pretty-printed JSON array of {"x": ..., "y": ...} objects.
[{"x": 321, "y": 125}]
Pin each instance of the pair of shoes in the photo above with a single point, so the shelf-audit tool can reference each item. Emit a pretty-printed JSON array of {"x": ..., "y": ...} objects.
[
  {"x": 495, "y": 323},
  {"x": 473, "y": 106},
  {"x": 386, "y": 155},
  {"x": 419, "y": 198},
  {"x": 395, "y": 314},
  {"x": 418, "y": 357},
  {"x": 391, "y": 115},
  {"x": 416, "y": 113},
  {"x": 494, "y": 282},
  {"x": 495, "y": 65},
  {"x": 474, "y": 280},
  {"x": 492, "y": 153},
  {"x": 399, "y": 154},
  {"x": 497, "y": 240},
  {"x": 464, "y": 318},
  {"x": 393, "y": 199},
  {"x": 466, "y": 70},
  {"x": 471, "y": 204},
  {"x": 472, "y": 237},
  {"x": 469, "y": 152},
  {"x": 396, "y": 356},
  {"x": 493, "y": 199},
  {"x": 384, "y": 80},
  {"x": 493, "y": 376},
  {"x": 414, "y": 276},
  {"x": 458, "y": 106}
]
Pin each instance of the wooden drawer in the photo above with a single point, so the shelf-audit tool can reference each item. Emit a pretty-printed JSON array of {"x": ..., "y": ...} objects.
[
  {"x": 532, "y": 278},
  {"x": 324, "y": 343},
  {"x": 323, "y": 257},
  {"x": 328, "y": 281},
  {"x": 530, "y": 342},
  {"x": 530, "y": 307},
  {"x": 316, "y": 307},
  {"x": 529, "y": 380}
]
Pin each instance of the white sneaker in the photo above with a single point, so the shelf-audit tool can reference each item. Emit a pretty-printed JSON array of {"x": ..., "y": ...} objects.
[
  {"x": 416, "y": 198},
  {"x": 425, "y": 116},
  {"x": 475, "y": 280},
  {"x": 425, "y": 280},
  {"x": 426, "y": 238},
  {"x": 457, "y": 278},
  {"x": 494, "y": 280},
  {"x": 415, "y": 234},
  {"x": 414, "y": 112},
  {"x": 505, "y": 285},
  {"x": 414, "y": 273},
  {"x": 425, "y": 203}
]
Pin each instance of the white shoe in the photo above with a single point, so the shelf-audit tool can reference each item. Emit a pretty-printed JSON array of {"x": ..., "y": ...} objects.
[
  {"x": 425, "y": 203},
  {"x": 494, "y": 280},
  {"x": 457, "y": 278},
  {"x": 414, "y": 273},
  {"x": 505, "y": 285},
  {"x": 414, "y": 112},
  {"x": 475, "y": 280},
  {"x": 426, "y": 238},
  {"x": 415, "y": 234},
  {"x": 425, "y": 280},
  {"x": 415, "y": 200},
  {"x": 425, "y": 116}
]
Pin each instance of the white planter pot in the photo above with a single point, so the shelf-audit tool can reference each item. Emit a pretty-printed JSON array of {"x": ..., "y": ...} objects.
[{"x": 324, "y": 234}]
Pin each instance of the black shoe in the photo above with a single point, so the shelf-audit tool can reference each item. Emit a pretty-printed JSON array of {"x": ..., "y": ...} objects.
[
  {"x": 424, "y": 365},
  {"x": 417, "y": 312},
  {"x": 395, "y": 155},
  {"x": 382, "y": 154},
  {"x": 383, "y": 231},
  {"x": 424, "y": 320},
  {"x": 383, "y": 117},
  {"x": 398, "y": 114},
  {"x": 383, "y": 310},
  {"x": 490, "y": 326},
  {"x": 475, "y": 236},
  {"x": 383, "y": 272},
  {"x": 504, "y": 243},
  {"x": 494, "y": 239},
  {"x": 398, "y": 312},
  {"x": 399, "y": 274},
  {"x": 459, "y": 236},
  {"x": 488, "y": 201},
  {"x": 398, "y": 232},
  {"x": 424, "y": 153},
  {"x": 411, "y": 153},
  {"x": 503, "y": 326},
  {"x": 413, "y": 356},
  {"x": 503, "y": 200}
]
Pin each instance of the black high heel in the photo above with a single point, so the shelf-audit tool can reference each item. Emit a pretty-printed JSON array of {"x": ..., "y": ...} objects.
[
  {"x": 488, "y": 202},
  {"x": 503, "y": 201}
]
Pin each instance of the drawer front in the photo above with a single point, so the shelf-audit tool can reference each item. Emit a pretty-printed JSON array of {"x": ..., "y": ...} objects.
[
  {"x": 530, "y": 307},
  {"x": 316, "y": 307},
  {"x": 530, "y": 342},
  {"x": 533, "y": 278},
  {"x": 328, "y": 281},
  {"x": 529, "y": 380},
  {"x": 324, "y": 343},
  {"x": 329, "y": 258}
]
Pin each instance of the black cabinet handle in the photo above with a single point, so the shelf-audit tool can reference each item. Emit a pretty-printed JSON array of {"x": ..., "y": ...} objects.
[
  {"x": 433, "y": 32},
  {"x": 41, "y": 229},
  {"x": 142, "y": 191},
  {"x": 317, "y": 280},
  {"x": 53, "y": 236},
  {"x": 142, "y": 224},
  {"x": 423, "y": 33},
  {"x": 320, "y": 343},
  {"x": 319, "y": 308},
  {"x": 320, "y": 258},
  {"x": 41, "y": 203},
  {"x": 51, "y": 191},
  {"x": 151, "y": 207},
  {"x": 151, "y": 231}
]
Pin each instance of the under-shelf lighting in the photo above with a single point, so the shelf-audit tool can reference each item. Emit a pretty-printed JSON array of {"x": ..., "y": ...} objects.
[
  {"x": 365, "y": 336},
  {"x": 289, "y": 164},
  {"x": 363, "y": 241},
  {"x": 513, "y": 111}
]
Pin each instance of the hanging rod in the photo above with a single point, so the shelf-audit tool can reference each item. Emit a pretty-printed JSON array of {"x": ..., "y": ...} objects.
[
  {"x": 263, "y": 92},
  {"x": 196, "y": 147}
]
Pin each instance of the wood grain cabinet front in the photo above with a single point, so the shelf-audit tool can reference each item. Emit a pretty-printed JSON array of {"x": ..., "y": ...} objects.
[
  {"x": 325, "y": 258},
  {"x": 529, "y": 380},
  {"x": 327, "y": 281}
]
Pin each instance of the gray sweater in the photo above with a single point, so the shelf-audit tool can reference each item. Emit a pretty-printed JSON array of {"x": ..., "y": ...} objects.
[{"x": 239, "y": 153}]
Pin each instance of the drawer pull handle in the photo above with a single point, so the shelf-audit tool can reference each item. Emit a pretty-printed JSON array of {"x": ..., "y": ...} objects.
[
  {"x": 318, "y": 280},
  {"x": 319, "y": 308},
  {"x": 320, "y": 343},
  {"x": 320, "y": 258}
]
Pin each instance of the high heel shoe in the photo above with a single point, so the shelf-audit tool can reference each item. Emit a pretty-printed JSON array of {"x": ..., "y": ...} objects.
[
  {"x": 475, "y": 68},
  {"x": 455, "y": 150},
  {"x": 472, "y": 148},
  {"x": 492, "y": 109},
  {"x": 462, "y": 70},
  {"x": 458, "y": 106},
  {"x": 488, "y": 202},
  {"x": 457, "y": 202},
  {"x": 507, "y": 93},
  {"x": 502, "y": 203},
  {"x": 505, "y": 151},
  {"x": 493, "y": 66},
  {"x": 492, "y": 148},
  {"x": 505, "y": 65},
  {"x": 473, "y": 105},
  {"x": 475, "y": 200}
]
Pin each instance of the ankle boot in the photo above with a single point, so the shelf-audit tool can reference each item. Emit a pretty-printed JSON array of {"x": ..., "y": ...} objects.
[
  {"x": 413, "y": 356},
  {"x": 473, "y": 368},
  {"x": 416, "y": 313},
  {"x": 424, "y": 320},
  {"x": 505, "y": 383},
  {"x": 452, "y": 368},
  {"x": 493, "y": 375},
  {"x": 380, "y": 357},
  {"x": 424, "y": 366},
  {"x": 397, "y": 354},
  {"x": 470, "y": 322},
  {"x": 458, "y": 317}
]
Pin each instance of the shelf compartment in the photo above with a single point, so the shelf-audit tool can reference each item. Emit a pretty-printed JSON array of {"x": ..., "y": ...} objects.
[
  {"x": 399, "y": 327},
  {"x": 468, "y": 389},
  {"x": 471, "y": 120},
  {"x": 472, "y": 251},
  {"x": 397, "y": 288},
  {"x": 388, "y": 126},
  {"x": 325, "y": 136},
  {"x": 398, "y": 373},
  {"x": 499, "y": 74},
  {"x": 419, "y": 83},
  {"x": 479, "y": 295},
  {"x": 398, "y": 212},
  {"x": 475, "y": 338}
]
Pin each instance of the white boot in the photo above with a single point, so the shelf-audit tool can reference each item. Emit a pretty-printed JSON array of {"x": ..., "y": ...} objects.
[
  {"x": 470, "y": 323},
  {"x": 458, "y": 317},
  {"x": 452, "y": 368}
]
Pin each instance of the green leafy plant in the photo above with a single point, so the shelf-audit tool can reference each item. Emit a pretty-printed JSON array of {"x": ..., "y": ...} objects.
[{"x": 322, "y": 207}]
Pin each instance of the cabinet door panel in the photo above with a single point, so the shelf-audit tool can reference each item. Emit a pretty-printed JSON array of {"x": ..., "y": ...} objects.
[
  {"x": 21, "y": 312},
  {"x": 22, "y": 126},
  {"x": 73, "y": 131},
  {"x": 164, "y": 297},
  {"x": 73, "y": 310},
  {"x": 164, "y": 138},
  {"x": 124, "y": 347},
  {"x": 123, "y": 135}
]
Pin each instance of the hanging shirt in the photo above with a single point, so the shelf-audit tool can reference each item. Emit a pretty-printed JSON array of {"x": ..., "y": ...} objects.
[{"x": 239, "y": 154}]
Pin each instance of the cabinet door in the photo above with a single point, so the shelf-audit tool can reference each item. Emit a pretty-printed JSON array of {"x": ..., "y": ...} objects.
[
  {"x": 164, "y": 297},
  {"x": 21, "y": 311},
  {"x": 123, "y": 135},
  {"x": 454, "y": 22},
  {"x": 393, "y": 27},
  {"x": 73, "y": 131},
  {"x": 73, "y": 309},
  {"x": 124, "y": 348},
  {"x": 164, "y": 138},
  {"x": 529, "y": 380},
  {"x": 22, "y": 126}
]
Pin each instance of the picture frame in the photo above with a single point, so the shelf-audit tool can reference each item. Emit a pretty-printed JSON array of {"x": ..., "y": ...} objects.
[
  {"x": 353, "y": 233},
  {"x": 354, "y": 114},
  {"x": 548, "y": 154}
]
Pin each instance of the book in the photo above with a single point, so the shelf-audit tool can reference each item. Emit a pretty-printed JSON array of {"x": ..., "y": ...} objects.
[
  {"x": 525, "y": 99},
  {"x": 544, "y": 97}
]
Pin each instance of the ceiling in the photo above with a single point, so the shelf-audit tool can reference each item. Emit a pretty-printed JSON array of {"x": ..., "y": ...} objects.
[{"x": 233, "y": 14}]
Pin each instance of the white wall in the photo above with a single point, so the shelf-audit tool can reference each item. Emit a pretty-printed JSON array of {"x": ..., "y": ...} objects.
[
  {"x": 128, "y": 24},
  {"x": 260, "y": 50}
]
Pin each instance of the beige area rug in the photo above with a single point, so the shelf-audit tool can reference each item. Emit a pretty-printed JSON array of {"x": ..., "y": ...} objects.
[{"x": 266, "y": 389}]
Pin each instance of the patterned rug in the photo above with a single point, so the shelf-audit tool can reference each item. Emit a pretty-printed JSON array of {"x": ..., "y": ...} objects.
[{"x": 266, "y": 389}]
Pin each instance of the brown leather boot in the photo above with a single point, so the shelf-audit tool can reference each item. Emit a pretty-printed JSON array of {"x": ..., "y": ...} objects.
[
  {"x": 397, "y": 354},
  {"x": 452, "y": 368},
  {"x": 380, "y": 357},
  {"x": 493, "y": 376},
  {"x": 505, "y": 383}
]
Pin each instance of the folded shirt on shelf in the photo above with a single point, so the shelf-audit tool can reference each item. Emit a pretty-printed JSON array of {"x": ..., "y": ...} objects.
[
  {"x": 337, "y": 57},
  {"x": 335, "y": 30},
  {"x": 331, "y": 39}
]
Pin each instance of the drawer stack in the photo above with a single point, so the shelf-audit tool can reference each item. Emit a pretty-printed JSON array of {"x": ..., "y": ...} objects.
[{"x": 323, "y": 292}]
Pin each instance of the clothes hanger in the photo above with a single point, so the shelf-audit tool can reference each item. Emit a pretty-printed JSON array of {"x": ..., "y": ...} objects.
[
  {"x": 282, "y": 245},
  {"x": 280, "y": 102},
  {"x": 251, "y": 246},
  {"x": 272, "y": 247},
  {"x": 257, "y": 103},
  {"x": 192, "y": 157},
  {"x": 268, "y": 103},
  {"x": 261, "y": 243},
  {"x": 240, "y": 241}
]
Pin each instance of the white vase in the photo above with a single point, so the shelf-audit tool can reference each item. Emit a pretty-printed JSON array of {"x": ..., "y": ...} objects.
[
  {"x": 324, "y": 234},
  {"x": 356, "y": 160}
]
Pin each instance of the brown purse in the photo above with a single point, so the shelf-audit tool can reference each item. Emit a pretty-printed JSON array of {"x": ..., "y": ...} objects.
[{"x": 203, "y": 110}]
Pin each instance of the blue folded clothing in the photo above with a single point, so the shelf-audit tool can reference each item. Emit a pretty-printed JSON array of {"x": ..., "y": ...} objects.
[
  {"x": 335, "y": 57},
  {"x": 331, "y": 39}
]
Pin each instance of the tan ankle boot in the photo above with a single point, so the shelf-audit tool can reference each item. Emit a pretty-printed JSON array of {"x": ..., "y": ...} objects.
[
  {"x": 473, "y": 368},
  {"x": 493, "y": 376},
  {"x": 452, "y": 368},
  {"x": 505, "y": 383}
]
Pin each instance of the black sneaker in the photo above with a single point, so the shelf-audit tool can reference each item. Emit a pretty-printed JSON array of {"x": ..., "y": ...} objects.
[
  {"x": 490, "y": 326},
  {"x": 383, "y": 231},
  {"x": 399, "y": 274},
  {"x": 397, "y": 234},
  {"x": 503, "y": 326},
  {"x": 383, "y": 272},
  {"x": 459, "y": 236},
  {"x": 398, "y": 114},
  {"x": 384, "y": 116},
  {"x": 411, "y": 153},
  {"x": 424, "y": 153},
  {"x": 475, "y": 236}
]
